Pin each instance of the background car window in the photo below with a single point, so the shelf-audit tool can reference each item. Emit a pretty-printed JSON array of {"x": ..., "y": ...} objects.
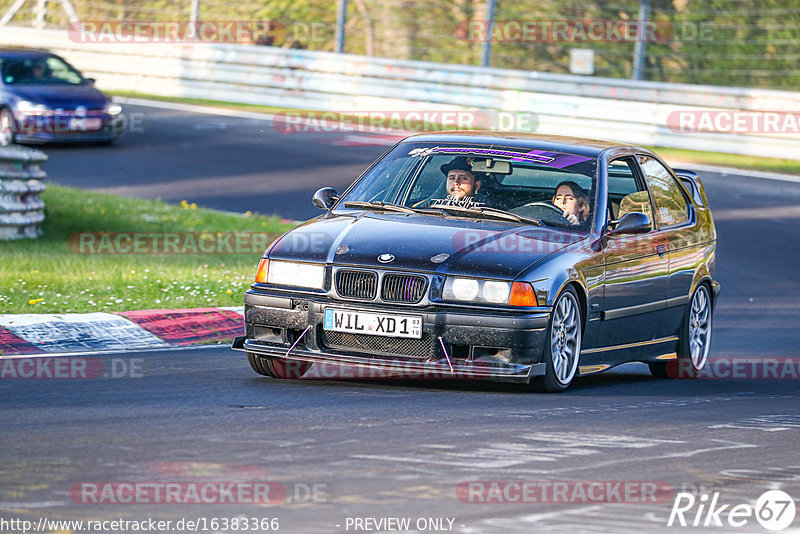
[
  {"x": 38, "y": 70},
  {"x": 670, "y": 204},
  {"x": 61, "y": 72}
]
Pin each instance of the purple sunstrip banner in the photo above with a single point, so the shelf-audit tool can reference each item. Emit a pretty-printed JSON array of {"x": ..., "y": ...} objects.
[{"x": 560, "y": 160}]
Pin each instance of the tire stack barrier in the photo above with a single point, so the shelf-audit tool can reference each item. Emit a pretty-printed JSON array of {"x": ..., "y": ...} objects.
[{"x": 21, "y": 182}]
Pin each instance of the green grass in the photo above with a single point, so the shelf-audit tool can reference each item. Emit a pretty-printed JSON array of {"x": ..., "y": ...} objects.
[
  {"x": 675, "y": 155},
  {"x": 671, "y": 155},
  {"x": 48, "y": 276},
  {"x": 203, "y": 102}
]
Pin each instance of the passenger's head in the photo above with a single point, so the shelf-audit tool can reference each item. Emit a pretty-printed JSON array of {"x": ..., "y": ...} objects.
[
  {"x": 461, "y": 181},
  {"x": 571, "y": 198}
]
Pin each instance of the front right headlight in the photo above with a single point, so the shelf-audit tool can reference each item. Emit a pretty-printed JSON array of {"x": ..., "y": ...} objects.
[{"x": 289, "y": 273}]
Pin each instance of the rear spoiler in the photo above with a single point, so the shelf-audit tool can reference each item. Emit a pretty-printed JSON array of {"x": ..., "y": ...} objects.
[{"x": 694, "y": 185}]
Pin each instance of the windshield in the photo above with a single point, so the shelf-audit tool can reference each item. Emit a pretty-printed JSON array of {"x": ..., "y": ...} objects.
[
  {"x": 38, "y": 70},
  {"x": 551, "y": 188}
]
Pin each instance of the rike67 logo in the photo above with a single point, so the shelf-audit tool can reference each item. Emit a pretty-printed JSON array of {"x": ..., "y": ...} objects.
[{"x": 774, "y": 510}]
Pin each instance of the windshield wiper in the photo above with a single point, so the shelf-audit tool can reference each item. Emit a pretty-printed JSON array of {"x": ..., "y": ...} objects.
[
  {"x": 490, "y": 212},
  {"x": 378, "y": 205}
]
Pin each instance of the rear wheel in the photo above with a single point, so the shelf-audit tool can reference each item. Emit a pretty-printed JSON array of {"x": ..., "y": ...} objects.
[
  {"x": 563, "y": 348},
  {"x": 7, "y": 127},
  {"x": 695, "y": 339},
  {"x": 283, "y": 369}
]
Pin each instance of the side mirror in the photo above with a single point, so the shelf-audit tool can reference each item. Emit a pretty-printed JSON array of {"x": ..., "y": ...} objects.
[
  {"x": 325, "y": 198},
  {"x": 632, "y": 223},
  {"x": 89, "y": 81}
]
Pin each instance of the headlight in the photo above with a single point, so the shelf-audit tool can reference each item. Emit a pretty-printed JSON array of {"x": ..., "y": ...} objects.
[
  {"x": 286, "y": 273},
  {"x": 25, "y": 106},
  {"x": 489, "y": 291},
  {"x": 475, "y": 290},
  {"x": 113, "y": 108}
]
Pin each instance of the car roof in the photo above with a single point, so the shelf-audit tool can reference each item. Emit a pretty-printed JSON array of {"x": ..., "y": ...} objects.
[
  {"x": 559, "y": 143},
  {"x": 24, "y": 52}
]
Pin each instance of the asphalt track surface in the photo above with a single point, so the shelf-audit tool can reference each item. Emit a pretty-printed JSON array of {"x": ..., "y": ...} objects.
[
  {"x": 400, "y": 449},
  {"x": 226, "y": 163}
]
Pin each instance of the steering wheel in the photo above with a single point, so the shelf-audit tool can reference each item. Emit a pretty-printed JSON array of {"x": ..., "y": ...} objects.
[{"x": 546, "y": 205}]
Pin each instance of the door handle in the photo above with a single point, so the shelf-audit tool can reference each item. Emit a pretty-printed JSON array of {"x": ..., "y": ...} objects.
[{"x": 661, "y": 249}]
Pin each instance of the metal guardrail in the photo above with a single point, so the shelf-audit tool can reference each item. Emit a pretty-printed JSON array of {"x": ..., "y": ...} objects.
[
  {"x": 21, "y": 182},
  {"x": 624, "y": 110}
]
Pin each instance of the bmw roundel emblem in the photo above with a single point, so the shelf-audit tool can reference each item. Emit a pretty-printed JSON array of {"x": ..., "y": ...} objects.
[{"x": 386, "y": 258}]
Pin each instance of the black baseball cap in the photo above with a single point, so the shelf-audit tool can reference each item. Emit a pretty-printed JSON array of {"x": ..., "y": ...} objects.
[{"x": 457, "y": 164}]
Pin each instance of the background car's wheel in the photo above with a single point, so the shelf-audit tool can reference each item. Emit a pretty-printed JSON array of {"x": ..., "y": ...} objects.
[
  {"x": 695, "y": 339},
  {"x": 290, "y": 369},
  {"x": 563, "y": 344},
  {"x": 7, "y": 127}
]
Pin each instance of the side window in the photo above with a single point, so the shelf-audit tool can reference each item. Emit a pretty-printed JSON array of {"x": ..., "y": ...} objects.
[
  {"x": 668, "y": 198},
  {"x": 61, "y": 72},
  {"x": 624, "y": 194}
]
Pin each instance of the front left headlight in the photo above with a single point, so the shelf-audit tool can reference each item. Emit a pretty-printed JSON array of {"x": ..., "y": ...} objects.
[
  {"x": 288, "y": 273},
  {"x": 30, "y": 108},
  {"x": 482, "y": 291},
  {"x": 476, "y": 290}
]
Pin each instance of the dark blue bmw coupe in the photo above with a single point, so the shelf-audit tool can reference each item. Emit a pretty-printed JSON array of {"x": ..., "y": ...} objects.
[
  {"x": 45, "y": 99},
  {"x": 480, "y": 255}
]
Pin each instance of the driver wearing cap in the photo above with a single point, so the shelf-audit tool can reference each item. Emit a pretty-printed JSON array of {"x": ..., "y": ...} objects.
[{"x": 461, "y": 181}]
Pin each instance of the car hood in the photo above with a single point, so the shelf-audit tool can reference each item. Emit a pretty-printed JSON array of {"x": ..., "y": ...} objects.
[
  {"x": 61, "y": 96},
  {"x": 422, "y": 243}
]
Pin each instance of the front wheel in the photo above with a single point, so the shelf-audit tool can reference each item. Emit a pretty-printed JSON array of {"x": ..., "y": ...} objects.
[
  {"x": 563, "y": 349},
  {"x": 282, "y": 369}
]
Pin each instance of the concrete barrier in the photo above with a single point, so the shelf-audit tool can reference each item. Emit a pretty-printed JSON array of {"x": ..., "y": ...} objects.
[{"x": 21, "y": 182}]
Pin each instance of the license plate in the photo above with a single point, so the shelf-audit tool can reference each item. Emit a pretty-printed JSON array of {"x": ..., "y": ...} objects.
[
  {"x": 85, "y": 123},
  {"x": 372, "y": 324}
]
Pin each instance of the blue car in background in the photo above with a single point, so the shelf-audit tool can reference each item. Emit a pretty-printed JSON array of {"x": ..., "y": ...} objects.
[{"x": 45, "y": 99}]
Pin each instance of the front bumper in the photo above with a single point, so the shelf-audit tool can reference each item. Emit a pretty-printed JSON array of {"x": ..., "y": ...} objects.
[
  {"x": 495, "y": 345},
  {"x": 56, "y": 129}
]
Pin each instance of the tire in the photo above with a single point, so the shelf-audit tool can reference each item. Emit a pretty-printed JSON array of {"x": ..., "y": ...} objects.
[
  {"x": 7, "y": 127},
  {"x": 695, "y": 339},
  {"x": 563, "y": 344},
  {"x": 281, "y": 369}
]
